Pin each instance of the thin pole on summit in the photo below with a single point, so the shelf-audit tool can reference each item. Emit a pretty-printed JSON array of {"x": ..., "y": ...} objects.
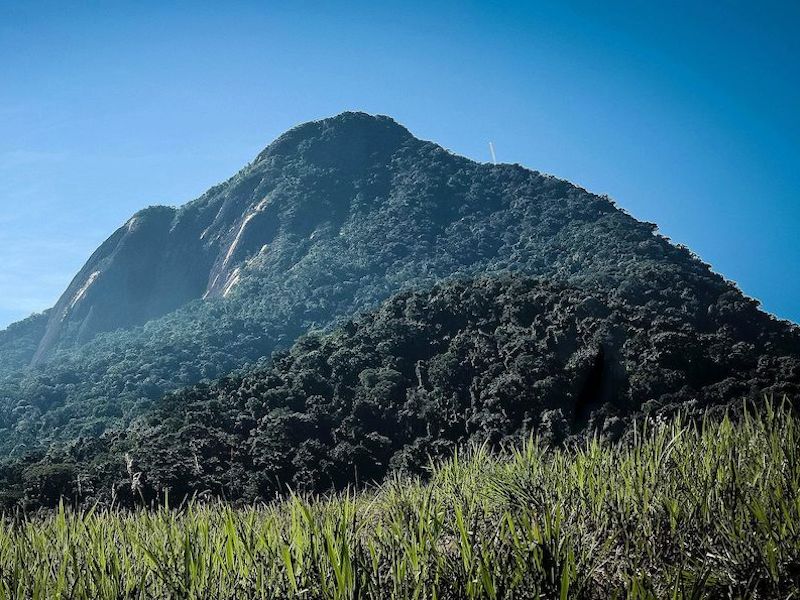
[{"x": 491, "y": 149}]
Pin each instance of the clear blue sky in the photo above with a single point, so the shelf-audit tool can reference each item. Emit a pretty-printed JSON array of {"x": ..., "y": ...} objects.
[{"x": 685, "y": 113}]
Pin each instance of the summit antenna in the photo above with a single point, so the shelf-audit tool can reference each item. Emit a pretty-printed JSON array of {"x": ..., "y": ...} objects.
[{"x": 491, "y": 149}]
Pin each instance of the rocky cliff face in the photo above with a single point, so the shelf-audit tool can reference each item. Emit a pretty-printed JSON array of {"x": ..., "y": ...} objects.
[
  {"x": 153, "y": 264},
  {"x": 164, "y": 257}
]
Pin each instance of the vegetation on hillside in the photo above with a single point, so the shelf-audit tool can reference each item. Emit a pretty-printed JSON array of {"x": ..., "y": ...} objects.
[
  {"x": 19, "y": 341},
  {"x": 486, "y": 360},
  {"x": 676, "y": 511}
]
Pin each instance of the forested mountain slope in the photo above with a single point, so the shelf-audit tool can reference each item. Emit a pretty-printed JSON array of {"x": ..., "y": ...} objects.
[
  {"x": 332, "y": 218},
  {"x": 488, "y": 360}
]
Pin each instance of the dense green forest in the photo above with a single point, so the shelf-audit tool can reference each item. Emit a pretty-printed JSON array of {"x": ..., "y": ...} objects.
[
  {"x": 491, "y": 360},
  {"x": 332, "y": 219}
]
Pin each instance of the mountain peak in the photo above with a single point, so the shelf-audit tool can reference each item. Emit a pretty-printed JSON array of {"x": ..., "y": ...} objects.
[{"x": 348, "y": 133}]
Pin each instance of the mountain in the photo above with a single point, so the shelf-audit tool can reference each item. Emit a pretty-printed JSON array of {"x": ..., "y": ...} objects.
[{"x": 330, "y": 220}]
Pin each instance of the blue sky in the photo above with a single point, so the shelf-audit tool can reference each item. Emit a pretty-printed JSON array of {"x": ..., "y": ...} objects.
[{"x": 686, "y": 114}]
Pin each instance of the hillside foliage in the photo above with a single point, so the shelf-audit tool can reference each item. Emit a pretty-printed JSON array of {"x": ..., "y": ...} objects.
[{"x": 490, "y": 360}]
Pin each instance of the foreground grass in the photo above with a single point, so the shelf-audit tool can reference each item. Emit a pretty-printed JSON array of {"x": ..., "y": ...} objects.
[{"x": 681, "y": 512}]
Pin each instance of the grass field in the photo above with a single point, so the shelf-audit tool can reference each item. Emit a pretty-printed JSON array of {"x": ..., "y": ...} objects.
[{"x": 681, "y": 511}]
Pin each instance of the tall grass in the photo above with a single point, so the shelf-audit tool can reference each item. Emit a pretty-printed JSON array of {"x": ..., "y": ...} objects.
[{"x": 682, "y": 511}]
